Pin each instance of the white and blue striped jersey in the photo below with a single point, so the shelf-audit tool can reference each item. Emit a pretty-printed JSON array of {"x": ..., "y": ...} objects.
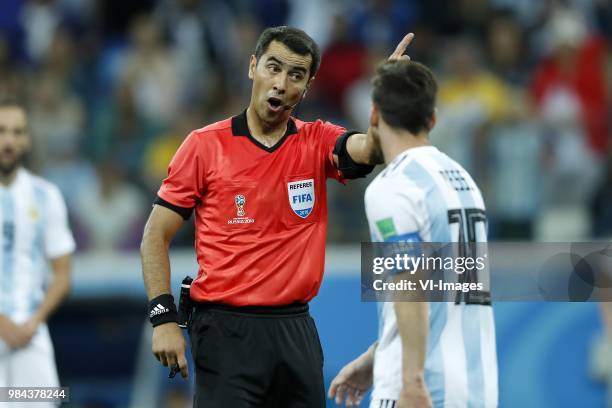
[
  {"x": 418, "y": 197},
  {"x": 34, "y": 229}
]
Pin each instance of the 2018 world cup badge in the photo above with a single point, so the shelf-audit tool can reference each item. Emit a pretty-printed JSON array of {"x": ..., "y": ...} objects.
[
  {"x": 240, "y": 201},
  {"x": 241, "y": 215},
  {"x": 301, "y": 196}
]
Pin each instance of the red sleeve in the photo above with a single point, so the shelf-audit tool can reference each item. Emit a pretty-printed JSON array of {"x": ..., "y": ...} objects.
[
  {"x": 329, "y": 133},
  {"x": 185, "y": 182}
]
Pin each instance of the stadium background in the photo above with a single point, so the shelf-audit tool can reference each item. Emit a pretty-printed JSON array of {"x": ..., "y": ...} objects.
[{"x": 113, "y": 87}]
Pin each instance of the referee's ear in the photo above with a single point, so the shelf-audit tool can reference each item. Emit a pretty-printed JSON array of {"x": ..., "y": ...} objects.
[
  {"x": 307, "y": 87},
  {"x": 252, "y": 66}
]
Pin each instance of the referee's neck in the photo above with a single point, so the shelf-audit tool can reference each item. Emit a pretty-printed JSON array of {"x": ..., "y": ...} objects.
[{"x": 258, "y": 127}]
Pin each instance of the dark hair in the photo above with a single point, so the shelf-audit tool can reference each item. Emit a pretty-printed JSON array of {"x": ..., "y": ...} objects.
[
  {"x": 10, "y": 102},
  {"x": 294, "y": 39},
  {"x": 405, "y": 94}
]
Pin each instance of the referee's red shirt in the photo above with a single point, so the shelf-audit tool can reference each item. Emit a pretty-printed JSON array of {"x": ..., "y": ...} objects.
[{"x": 260, "y": 213}]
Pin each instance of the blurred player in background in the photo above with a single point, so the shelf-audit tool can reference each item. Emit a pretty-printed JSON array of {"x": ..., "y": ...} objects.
[
  {"x": 441, "y": 354},
  {"x": 257, "y": 183},
  {"x": 35, "y": 233}
]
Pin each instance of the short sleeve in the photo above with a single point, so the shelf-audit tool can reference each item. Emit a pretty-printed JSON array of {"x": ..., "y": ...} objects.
[
  {"x": 58, "y": 237},
  {"x": 185, "y": 182},
  {"x": 328, "y": 136},
  {"x": 395, "y": 213}
]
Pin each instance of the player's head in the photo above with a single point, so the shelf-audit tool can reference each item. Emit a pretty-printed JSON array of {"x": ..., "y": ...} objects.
[
  {"x": 285, "y": 62},
  {"x": 14, "y": 138},
  {"x": 404, "y": 97}
]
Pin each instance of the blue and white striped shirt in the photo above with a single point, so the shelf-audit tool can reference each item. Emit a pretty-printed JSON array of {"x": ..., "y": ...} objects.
[{"x": 413, "y": 200}]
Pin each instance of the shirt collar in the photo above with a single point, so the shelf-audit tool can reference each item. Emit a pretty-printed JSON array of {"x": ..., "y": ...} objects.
[
  {"x": 413, "y": 151},
  {"x": 240, "y": 126},
  {"x": 21, "y": 173}
]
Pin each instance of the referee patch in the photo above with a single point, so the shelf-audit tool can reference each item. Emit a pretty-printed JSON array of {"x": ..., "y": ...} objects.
[{"x": 301, "y": 196}]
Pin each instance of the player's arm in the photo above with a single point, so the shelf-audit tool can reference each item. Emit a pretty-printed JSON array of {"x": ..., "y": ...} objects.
[
  {"x": 19, "y": 335},
  {"x": 397, "y": 212},
  {"x": 11, "y": 333},
  {"x": 354, "y": 380},
  {"x": 361, "y": 147},
  {"x": 413, "y": 325},
  {"x": 168, "y": 341},
  {"x": 58, "y": 290}
]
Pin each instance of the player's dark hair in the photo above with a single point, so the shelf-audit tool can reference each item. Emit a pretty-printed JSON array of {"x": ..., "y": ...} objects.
[
  {"x": 294, "y": 39},
  {"x": 405, "y": 94},
  {"x": 7, "y": 101}
]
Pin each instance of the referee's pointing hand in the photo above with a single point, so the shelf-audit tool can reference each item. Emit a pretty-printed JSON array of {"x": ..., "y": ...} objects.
[
  {"x": 398, "y": 54},
  {"x": 169, "y": 346}
]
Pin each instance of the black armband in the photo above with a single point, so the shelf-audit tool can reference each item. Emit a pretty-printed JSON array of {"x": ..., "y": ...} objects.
[
  {"x": 182, "y": 211},
  {"x": 349, "y": 168},
  {"x": 162, "y": 310}
]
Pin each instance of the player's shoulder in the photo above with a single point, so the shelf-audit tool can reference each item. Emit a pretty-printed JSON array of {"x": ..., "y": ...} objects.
[
  {"x": 393, "y": 186},
  {"x": 423, "y": 164},
  {"x": 40, "y": 184}
]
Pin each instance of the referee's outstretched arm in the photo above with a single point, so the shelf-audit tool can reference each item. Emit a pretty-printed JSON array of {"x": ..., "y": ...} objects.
[{"x": 168, "y": 340}]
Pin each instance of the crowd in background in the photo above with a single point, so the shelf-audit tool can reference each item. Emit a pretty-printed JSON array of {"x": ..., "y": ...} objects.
[{"x": 112, "y": 89}]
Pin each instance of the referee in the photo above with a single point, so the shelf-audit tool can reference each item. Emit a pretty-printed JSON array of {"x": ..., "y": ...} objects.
[{"x": 257, "y": 185}]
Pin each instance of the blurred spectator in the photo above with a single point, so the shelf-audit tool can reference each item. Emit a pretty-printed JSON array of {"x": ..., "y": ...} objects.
[
  {"x": 60, "y": 61},
  {"x": 184, "y": 22},
  {"x": 507, "y": 50},
  {"x": 575, "y": 68},
  {"x": 342, "y": 63},
  {"x": 570, "y": 92},
  {"x": 380, "y": 23},
  {"x": 529, "y": 13},
  {"x": 57, "y": 119},
  {"x": 513, "y": 181},
  {"x": 111, "y": 211},
  {"x": 40, "y": 20},
  {"x": 152, "y": 73},
  {"x": 11, "y": 80},
  {"x": 315, "y": 17},
  {"x": 160, "y": 150},
  {"x": 121, "y": 131},
  {"x": 358, "y": 99},
  {"x": 470, "y": 97},
  {"x": 269, "y": 13}
]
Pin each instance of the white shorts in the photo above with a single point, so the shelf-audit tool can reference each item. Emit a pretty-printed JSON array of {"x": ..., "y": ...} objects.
[
  {"x": 383, "y": 403},
  {"x": 30, "y": 366}
]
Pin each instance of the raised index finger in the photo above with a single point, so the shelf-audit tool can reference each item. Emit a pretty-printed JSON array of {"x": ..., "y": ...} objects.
[{"x": 401, "y": 47}]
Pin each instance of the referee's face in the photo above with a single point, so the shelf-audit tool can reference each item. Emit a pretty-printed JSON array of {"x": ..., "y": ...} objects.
[
  {"x": 280, "y": 78},
  {"x": 14, "y": 138}
]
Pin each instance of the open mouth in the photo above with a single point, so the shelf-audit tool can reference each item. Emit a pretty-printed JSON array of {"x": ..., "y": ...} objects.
[{"x": 274, "y": 103}]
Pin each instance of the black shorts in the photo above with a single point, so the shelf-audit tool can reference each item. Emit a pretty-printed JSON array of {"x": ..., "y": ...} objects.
[{"x": 247, "y": 357}]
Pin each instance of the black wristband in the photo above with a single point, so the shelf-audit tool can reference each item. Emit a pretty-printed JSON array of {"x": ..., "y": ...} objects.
[{"x": 162, "y": 310}]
